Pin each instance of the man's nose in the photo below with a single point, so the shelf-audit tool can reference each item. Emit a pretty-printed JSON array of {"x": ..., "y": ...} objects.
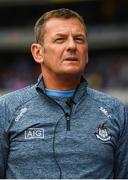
[{"x": 71, "y": 45}]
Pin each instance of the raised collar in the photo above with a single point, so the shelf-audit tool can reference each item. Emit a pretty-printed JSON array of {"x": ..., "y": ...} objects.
[{"x": 80, "y": 90}]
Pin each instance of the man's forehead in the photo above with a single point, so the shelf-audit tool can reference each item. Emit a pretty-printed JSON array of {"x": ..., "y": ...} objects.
[{"x": 59, "y": 25}]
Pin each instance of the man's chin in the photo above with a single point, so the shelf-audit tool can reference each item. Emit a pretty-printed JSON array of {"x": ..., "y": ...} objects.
[{"x": 72, "y": 73}]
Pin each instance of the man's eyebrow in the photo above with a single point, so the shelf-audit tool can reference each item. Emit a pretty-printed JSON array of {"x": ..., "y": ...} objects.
[
  {"x": 77, "y": 34},
  {"x": 60, "y": 34},
  {"x": 80, "y": 34}
]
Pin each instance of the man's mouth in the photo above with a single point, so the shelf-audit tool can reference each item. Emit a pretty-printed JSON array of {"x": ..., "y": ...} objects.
[{"x": 71, "y": 58}]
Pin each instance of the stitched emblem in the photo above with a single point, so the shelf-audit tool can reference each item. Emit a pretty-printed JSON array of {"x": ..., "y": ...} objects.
[{"x": 102, "y": 133}]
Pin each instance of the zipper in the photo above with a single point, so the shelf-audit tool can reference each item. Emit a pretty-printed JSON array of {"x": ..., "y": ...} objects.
[
  {"x": 67, "y": 114},
  {"x": 68, "y": 119}
]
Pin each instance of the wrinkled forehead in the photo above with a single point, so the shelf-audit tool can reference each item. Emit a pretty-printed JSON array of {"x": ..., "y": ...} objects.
[{"x": 58, "y": 25}]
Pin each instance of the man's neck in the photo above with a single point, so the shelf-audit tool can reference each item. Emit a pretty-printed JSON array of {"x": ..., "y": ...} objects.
[{"x": 61, "y": 83}]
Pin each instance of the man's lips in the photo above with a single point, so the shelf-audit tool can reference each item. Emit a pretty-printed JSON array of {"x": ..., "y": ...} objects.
[{"x": 71, "y": 59}]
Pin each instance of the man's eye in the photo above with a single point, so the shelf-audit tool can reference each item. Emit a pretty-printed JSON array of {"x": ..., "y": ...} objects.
[
  {"x": 59, "y": 40},
  {"x": 80, "y": 40}
]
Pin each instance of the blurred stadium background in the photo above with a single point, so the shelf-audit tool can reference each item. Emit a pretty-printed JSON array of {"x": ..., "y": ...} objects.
[{"x": 107, "y": 25}]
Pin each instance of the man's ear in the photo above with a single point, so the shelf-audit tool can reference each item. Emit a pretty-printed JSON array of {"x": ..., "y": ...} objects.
[{"x": 37, "y": 52}]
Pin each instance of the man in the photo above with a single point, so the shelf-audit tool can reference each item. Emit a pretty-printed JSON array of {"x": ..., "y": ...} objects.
[{"x": 60, "y": 128}]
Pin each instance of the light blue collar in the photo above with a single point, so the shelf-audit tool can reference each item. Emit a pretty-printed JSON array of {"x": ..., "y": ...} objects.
[{"x": 57, "y": 93}]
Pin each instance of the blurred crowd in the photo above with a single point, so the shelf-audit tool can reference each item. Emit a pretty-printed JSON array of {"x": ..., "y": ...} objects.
[
  {"x": 109, "y": 72},
  {"x": 101, "y": 72},
  {"x": 17, "y": 75}
]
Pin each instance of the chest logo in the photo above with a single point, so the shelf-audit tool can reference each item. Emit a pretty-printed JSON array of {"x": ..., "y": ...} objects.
[
  {"x": 105, "y": 112},
  {"x": 20, "y": 115},
  {"x": 34, "y": 133},
  {"x": 102, "y": 133}
]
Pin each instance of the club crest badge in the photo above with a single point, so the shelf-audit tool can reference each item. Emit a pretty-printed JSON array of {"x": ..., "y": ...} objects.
[{"x": 102, "y": 133}]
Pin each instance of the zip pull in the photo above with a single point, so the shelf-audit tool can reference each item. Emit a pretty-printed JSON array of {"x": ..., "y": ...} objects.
[{"x": 68, "y": 121}]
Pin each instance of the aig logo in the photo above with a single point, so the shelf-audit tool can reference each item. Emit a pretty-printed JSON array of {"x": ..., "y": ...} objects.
[{"x": 34, "y": 133}]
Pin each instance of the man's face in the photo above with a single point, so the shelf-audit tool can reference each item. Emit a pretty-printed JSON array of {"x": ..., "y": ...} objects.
[{"x": 65, "y": 49}]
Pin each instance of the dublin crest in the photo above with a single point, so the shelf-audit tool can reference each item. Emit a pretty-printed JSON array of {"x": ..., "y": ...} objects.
[{"x": 102, "y": 133}]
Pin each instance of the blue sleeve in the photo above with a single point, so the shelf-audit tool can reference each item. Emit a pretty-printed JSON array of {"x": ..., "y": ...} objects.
[
  {"x": 3, "y": 141},
  {"x": 121, "y": 154}
]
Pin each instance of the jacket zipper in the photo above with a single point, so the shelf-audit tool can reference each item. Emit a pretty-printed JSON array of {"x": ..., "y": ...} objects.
[
  {"x": 67, "y": 114},
  {"x": 68, "y": 119}
]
